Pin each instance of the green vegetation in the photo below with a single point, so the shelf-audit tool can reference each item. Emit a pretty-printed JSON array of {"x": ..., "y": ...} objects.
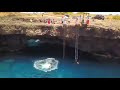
[
  {"x": 116, "y": 17},
  {"x": 62, "y": 13},
  {"x": 82, "y": 13},
  {"x": 69, "y": 13}
]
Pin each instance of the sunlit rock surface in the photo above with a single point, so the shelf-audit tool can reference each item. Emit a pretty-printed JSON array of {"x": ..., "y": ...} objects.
[{"x": 46, "y": 65}]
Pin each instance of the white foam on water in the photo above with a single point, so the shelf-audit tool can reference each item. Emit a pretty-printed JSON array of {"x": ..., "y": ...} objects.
[{"x": 46, "y": 65}]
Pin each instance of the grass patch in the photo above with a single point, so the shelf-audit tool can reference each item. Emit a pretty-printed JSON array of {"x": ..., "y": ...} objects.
[{"x": 116, "y": 17}]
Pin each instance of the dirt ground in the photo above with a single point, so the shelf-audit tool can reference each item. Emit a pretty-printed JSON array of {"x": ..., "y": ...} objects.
[
  {"x": 33, "y": 20},
  {"x": 107, "y": 24}
]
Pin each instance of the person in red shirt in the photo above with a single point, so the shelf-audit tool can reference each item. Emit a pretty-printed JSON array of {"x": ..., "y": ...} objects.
[
  {"x": 88, "y": 21},
  {"x": 48, "y": 21}
]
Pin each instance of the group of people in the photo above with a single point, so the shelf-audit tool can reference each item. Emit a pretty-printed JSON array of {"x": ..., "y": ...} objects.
[
  {"x": 79, "y": 20},
  {"x": 65, "y": 20},
  {"x": 51, "y": 21}
]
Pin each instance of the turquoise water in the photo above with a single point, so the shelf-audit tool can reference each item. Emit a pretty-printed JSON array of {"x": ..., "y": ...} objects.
[{"x": 20, "y": 65}]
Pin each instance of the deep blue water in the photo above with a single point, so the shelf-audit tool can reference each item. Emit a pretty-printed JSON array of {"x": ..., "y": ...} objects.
[{"x": 20, "y": 65}]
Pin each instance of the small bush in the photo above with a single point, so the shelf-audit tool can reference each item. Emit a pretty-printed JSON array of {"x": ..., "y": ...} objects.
[
  {"x": 63, "y": 13},
  {"x": 59, "y": 13},
  {"x": 116, "y": 17}
]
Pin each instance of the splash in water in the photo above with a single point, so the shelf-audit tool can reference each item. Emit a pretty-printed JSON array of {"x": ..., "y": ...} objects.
[{"x": 46, "y": 65}]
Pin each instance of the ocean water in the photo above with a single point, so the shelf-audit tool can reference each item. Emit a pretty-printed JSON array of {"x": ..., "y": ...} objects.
[{"x": 20, "y": 65}]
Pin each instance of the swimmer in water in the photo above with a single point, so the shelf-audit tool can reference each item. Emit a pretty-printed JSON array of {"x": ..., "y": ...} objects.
[{"x": 77, "y": 61}]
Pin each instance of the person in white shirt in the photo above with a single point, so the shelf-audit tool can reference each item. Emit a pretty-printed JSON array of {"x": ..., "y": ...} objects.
[{"x": 65, "y": 20}]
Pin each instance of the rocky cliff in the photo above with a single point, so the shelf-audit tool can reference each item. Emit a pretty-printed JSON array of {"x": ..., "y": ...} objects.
[{"x": 91, "y": 39}]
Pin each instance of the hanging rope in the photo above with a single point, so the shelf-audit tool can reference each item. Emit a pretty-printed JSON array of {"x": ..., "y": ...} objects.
[
  {"x": 76, "y": 41},
  {"x": 64, "y": 28},
  {"x": 76, "y": 46},
  {"x": 64, "y": 20}
]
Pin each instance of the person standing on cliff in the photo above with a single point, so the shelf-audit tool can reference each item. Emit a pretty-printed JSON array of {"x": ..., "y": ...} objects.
[
  {"x": 78, "y": 22},
  {"x": 80, "y": 18},
  {"x": 83, "y": 19},
  {"x": 49, "y": 22},
  {"x": 88, "y": 21},
  {"x": 65, "y": 20},
  {"x": 42, "y": 15},
  {"x": 62, "y": 19}
]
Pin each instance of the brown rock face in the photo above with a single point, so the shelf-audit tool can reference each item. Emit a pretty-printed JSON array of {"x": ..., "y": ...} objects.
[{"x": 91, "y": 39}]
